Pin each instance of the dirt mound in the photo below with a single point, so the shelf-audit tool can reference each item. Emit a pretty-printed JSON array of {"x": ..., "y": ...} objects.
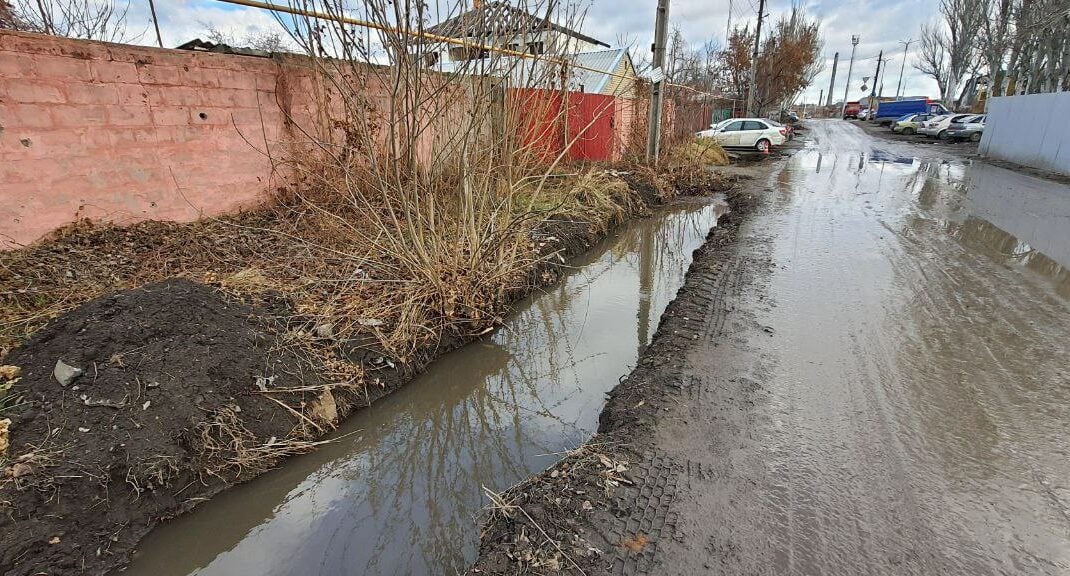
[{"x": 118, "y": 446}]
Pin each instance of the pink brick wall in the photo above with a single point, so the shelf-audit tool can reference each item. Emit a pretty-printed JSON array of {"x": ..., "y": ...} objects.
[{"x": 124, "y": 133}]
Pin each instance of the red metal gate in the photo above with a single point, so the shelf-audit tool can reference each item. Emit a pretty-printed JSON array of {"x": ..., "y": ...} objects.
[
  {"x": 587, "y": 126},
  {"x": 590, "y": 127}
]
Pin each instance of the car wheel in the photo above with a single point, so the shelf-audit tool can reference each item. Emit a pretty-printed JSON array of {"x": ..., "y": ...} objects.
[
  {"x": 908, "y": 131},
  {"x": 942, "y": 135},
  {"x": 762, "y": 146},
  {"x": 975, "y": 137}
]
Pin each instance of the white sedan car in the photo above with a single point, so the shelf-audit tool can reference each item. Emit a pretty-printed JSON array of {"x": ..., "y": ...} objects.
[
  {"x": 754, "y": 133},
  {"x": 938, "y": 126}
]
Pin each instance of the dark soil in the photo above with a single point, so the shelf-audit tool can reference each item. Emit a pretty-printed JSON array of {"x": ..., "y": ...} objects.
[
  {"x": 556, "y": 521},
  {"x": 95, "y": 464},
  {"x": 168, "y": 411}
]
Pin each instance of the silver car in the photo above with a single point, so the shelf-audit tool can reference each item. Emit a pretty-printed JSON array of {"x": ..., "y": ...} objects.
[{"x": 938, "y": 126}]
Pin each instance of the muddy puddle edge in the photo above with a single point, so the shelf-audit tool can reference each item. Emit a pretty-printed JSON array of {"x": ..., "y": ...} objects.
[
  {"x": 558, "y": 521},
  {"x": 39, "y": 551}
]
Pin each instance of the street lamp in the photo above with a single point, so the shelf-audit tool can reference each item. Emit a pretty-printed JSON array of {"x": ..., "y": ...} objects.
[
  {"x": 850, "y": 67},
  {"x": 906, "y": 46}
]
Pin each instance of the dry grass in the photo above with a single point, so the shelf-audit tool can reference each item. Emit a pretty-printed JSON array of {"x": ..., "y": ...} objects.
[
  {"x": 409, "y": 219},
  {"x": 229, "y": 450},
  {"x": 600, "y": 198},
  {"x": 698, "y": 151}
]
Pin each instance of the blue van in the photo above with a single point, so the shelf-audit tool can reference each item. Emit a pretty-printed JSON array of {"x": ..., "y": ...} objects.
[{"x": 887, "y": 112}]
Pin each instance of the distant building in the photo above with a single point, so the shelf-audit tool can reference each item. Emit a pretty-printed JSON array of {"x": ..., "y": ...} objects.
[
  {"x": 600, "y": 68},
  {"x": 501, "y": 25}
]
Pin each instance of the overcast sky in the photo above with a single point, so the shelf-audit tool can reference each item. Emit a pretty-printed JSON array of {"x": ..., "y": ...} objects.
[{"x": 880, "y": 23}]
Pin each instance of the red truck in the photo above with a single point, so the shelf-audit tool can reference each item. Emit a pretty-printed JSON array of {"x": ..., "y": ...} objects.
[{"x": 852, "y": 110}]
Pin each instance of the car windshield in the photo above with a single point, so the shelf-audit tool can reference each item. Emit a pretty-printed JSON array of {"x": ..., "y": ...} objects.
[
  {"x": 775, "y": 123},
  {"x": 905, "y": 117}
]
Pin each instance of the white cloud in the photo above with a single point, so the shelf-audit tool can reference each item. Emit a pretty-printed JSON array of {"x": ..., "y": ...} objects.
[{"x": 184, "y": 20}]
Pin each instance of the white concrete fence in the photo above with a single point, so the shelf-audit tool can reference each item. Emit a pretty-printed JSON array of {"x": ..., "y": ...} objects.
[{"x": 1031, "y": 130}]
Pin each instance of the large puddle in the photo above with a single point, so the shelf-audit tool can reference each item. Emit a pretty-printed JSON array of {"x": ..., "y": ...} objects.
[{"x": 402, "y": 495}]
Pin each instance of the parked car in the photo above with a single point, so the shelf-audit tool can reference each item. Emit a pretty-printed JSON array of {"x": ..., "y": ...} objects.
[
  {"x": 938, "y": 126},
  {"x": 787, "y": 117},
  {"x": 894, "y": 123},
  {"x": 852, "y": 110},
  {"x": 910, "y": 123},
  {"x": 789, "y": 129},
  {"x": 753, "y": 133},
  {"x": 967, "y": 129},
  {"x": 888, "y": 112}
]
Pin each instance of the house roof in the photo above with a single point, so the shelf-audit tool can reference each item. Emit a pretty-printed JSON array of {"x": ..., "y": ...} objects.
[
  {"x": 199, "y": 45},
  {"x": 500, "y": 19},
  {"x": 605, "y": 60},
  {"x": 531, "y": 73}
]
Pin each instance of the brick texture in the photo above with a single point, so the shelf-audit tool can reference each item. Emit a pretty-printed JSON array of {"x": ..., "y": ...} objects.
[
  {"x": 123, "y": 133},
  {"x": 126, "y": 133}
]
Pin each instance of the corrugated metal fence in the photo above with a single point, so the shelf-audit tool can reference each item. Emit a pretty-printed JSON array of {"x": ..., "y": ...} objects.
[{"x": 1030, "y": 130}]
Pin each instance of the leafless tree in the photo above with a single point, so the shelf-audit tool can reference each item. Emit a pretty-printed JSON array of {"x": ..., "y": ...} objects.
[
  {"x": 1039, "y": 60},
  {"x": 8, "y": 20},
  {"x": 962, "y": 22},
  {"x": 266, "y": 41},
  {"x": 789, "y": 59},
  {"x": 933, "y": 58},
  {"x": 994, "y": 41},
  {"x": 87, "y": 19}
]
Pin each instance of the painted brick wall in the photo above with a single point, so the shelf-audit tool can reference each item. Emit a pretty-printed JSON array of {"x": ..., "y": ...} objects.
[{"x": 124, "y": 133}]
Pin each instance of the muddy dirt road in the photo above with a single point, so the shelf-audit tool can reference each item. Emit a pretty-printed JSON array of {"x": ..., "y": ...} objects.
[
  {"x": 897, "y": 398},
  {"x": 874, "y": 380}
]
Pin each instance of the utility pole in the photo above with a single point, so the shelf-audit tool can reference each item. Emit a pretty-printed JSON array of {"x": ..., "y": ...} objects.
[
  {"x": 820, "y": 99},
  {"x": 728, "y": 27},
  {"x": 754, "y": 59},
  {"x": 155, "y": 22},
  {"x": 906, "y": 46},
  {"x": 660, "y": 37},
  {"x": 832, "y": 83},
  {"x": 850, "y": 68},
  {"x": 876, "y": 78}
]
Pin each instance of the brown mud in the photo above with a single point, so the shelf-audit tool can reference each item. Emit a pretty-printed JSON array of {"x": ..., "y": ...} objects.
[
  {"x": 158, "y": 363},
  {"x": 169, "y": 410},
  {"x": 590, "y": 506},
  {"x": 867, "y": 376}
]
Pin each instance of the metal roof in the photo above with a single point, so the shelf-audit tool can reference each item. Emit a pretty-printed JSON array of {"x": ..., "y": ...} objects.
[
  {"x": 500, "y": 19},
  {"x": 533, "y": 73},
  {"x": 606, "y": 60}
]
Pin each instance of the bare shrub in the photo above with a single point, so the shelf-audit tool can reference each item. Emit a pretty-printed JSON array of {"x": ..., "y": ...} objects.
[
  {"x": 424, "y": 178},
  {"x": 86, "y": 19}
]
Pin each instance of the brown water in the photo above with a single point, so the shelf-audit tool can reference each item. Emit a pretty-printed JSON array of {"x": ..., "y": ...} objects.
[
  {"x": 895, "y": 396},
  {"x": 403, "y": 494}
]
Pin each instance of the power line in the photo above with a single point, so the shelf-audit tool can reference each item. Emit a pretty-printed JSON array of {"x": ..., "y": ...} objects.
[{"x": 439, "y": 38}]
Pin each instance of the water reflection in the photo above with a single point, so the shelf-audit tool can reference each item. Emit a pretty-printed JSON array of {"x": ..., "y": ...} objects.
[{"x": 402, "y": 495}]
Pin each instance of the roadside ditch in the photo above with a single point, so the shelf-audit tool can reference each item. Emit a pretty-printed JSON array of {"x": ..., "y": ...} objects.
[
  {"x": 604, "y": 506},
  {"x": 139, "y": 404}
]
